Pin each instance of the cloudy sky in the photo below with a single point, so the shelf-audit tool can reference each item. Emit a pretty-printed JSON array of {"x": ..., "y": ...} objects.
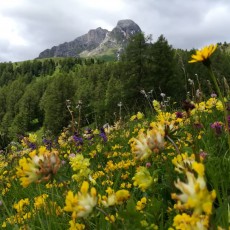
[{"x": 28, "y": 27}]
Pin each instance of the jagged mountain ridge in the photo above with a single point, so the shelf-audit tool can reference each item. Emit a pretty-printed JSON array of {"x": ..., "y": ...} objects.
[{"x": 96, "y": 42}]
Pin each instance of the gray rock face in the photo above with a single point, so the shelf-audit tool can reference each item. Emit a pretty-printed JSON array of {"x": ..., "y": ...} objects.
[
  {"x": 95, "y": 41},
  {"x": 124, "y": 30}
]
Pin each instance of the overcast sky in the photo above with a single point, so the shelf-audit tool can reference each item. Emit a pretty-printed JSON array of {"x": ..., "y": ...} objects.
[{"x": 28, "y": 27}]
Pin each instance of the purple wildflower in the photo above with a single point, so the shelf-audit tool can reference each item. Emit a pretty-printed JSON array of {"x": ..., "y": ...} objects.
[
  {"x": 179, "y": 114},
  {"x": 103, "y": 134},
  {"x": 32, "y": 145},
  {"x": 47, "y": 143},
  {"x": 77, "y": 139},
  {"x": 217, "y": 127}
]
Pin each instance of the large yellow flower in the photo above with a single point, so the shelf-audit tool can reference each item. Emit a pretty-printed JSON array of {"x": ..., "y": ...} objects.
[
  {"x": 195, "y": 194},
  {"x": 203, "y": 54},
  {"x": 146, "y": 143},
  {"x": 142, "y": 178},
  {"x": 38, "y": 167},
  {"x": 82, "y": 203}
]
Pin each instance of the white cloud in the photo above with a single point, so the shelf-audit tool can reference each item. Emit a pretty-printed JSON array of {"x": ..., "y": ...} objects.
[{"x": 29, "y": 26}]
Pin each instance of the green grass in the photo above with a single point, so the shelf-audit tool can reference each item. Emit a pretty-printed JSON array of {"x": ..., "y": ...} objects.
[{"x": 114, "y": 167}]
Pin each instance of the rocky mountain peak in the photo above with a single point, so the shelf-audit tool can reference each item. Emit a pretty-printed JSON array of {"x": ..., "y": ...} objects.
[
  {"x": 96, "y": 42},
  {"x": 128, "y": 26},
  {"x": 124, "y": 30}
]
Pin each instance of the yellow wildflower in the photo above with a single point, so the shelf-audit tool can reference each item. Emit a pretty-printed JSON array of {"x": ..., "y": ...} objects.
[
  {"x": 140, "y": 115},
  {"x": 96, "y": 131},
  {"x": 27, "y": 171},
  {"x": 113, "y": 198},
  {"x": 195, "y": 194},
  {"x": 219, "y": 106},
  {"x": 201, "y": 106},
  {"x": 203, "y": 54},
  {"x": 109, "y": 191},
  {"x": 99, "y": 148},
  {"x": 194, "y": 222},
  {"x": 199, "y": 168},
  {"x": 110, "y": 218},
  {"x": 80, "y": 165},
  {"x": 62, "y": 140},
  {"x": 109, "y": 201},
  {"x": 145, "y": 144},
  {"x": 137, "y": 116},
  {"x": 122, "y": 185},
  {"x": 141, "y": 204},
  {"x": 211, "y": 102},
  {"x": 81, "y": 204},
  {"x": 157, "y": 106},
  {"x": 32, "y": 138},
  {"x": 38, "y": 168},
  {"x": 76, "y": 226},
  {"x": 121, "y": 196},
  {"x": 79, "y": 162},
  {"x": 20, "y": 205},
  {"x": 142, "y": 178},
  {"x": 40, "y": 201},
  {"x": 183, "y": 162}
]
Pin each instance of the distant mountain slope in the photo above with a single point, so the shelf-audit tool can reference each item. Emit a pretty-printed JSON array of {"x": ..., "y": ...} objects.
[{"x": 96, "y": 42}]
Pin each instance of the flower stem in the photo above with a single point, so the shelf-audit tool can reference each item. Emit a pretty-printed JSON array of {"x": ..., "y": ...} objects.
[{"x": 174, "y": 144}]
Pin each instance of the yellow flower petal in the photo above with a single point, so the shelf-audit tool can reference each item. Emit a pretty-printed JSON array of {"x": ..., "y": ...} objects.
[{"x": 203, "y": 54}]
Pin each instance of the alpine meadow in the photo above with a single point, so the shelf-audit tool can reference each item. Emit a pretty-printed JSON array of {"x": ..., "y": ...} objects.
[{"x": 126, "y": 133}]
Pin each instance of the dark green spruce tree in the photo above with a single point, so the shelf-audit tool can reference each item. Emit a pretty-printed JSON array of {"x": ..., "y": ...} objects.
[
  {"x": 134, "y": 70},
  {"x": 53, "y": 103}
]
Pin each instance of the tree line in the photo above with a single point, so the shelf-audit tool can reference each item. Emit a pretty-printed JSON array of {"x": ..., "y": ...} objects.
[{"x": 51, "y": 93}]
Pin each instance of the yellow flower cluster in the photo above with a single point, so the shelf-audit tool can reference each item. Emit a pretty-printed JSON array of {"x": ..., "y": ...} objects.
[
  {"x": 21, "y": 204},
  {"x": 142, "y": 178},
  {"x": 76, "y": 226},
  {"x": 147, "y": 143},
  {"x": 39, "y": 201},
  {"x": 32, "y": 138},
  {"x": 123, "y": 164},
  {"x": 38, "y": 166},
  {"x": 50, "y": 207},
  {"x": 22, "y": 213},
  {"x": 194, "y": 196},
  {"x": 63, "y": 140},
  {"x": 113, "y": 197},
  {"x": 183, "y": 162},
  {"x": 157, "y": 106},
  {"x": 206, "y": 107},
  {"x": 187, "y": 222},
  {"x": 137, "y": 116},
  {"x": 81, "y": 204},
  {"x": 141, "y": 204},
  {"x": 80, "y": 165}
]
